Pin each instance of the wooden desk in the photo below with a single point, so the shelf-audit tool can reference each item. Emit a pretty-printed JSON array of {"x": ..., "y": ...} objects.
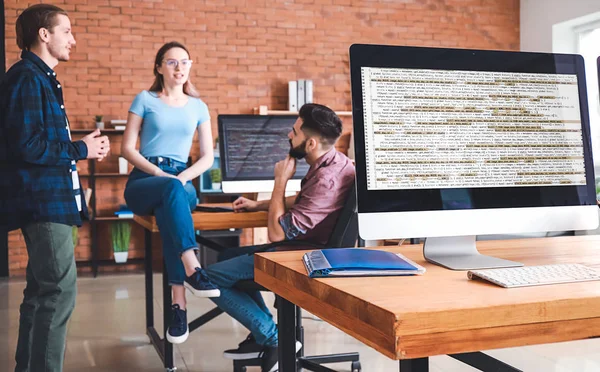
[
  {"x": 442, "y": 312},
  {"x": 214, "y": 220},
  {"x": 203, "y": 221}
]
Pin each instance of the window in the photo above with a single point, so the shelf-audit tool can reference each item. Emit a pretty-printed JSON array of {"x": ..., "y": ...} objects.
[
  {"x": 582, "y": 36},
  {"x": 589, "y": 48}
]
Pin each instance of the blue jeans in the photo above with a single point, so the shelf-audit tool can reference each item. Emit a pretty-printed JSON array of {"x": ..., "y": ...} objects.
[
  {"x": 247, "y": 307},
  {"x": 172, "y": 205}
]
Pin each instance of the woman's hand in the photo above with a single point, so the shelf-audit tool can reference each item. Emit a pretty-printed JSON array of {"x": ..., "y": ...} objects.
[
  {"x": 161, "y": 173},
  {"x": 182, "y": 178}
]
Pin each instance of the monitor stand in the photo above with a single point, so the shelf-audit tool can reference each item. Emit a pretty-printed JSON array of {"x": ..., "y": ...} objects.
[{"x": 460, "y": 253}]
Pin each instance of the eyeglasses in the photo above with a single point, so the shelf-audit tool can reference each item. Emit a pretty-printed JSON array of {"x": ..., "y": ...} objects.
[{"x": 173, "y": 63}]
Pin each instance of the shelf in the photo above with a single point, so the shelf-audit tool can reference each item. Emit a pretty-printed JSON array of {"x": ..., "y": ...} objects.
[
  {"x": 111, "y": 218},
  {"x": 263, "y": 110},
  {"x": 106, "y": 175},
  {"x": 102, "y": 131},
  {"x": 109, "y": 262}
]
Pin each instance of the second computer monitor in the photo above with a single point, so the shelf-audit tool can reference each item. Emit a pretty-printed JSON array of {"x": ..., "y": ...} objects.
[{"x": 250, "y": 147}]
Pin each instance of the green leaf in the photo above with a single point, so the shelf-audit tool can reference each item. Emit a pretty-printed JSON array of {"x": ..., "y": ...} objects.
[{"x": 120, "y": 234}]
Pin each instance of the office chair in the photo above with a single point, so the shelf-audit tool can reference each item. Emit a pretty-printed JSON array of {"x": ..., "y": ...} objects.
[{"x": 344, "y": 234}]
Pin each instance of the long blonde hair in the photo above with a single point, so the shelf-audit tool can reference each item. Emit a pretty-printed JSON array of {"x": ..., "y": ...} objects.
[{"x": 158, "y": 85}]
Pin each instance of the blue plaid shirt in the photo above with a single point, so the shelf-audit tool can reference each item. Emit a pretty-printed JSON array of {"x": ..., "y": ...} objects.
[{"x": 35, "y": 148}]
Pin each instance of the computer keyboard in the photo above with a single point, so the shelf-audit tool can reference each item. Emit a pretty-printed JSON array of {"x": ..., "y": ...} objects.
[
  {"x": 536, "y": 275},
  {"x": 201, "y": 208}
]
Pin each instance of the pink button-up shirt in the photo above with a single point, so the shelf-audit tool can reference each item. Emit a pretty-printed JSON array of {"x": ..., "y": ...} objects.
[{"x": 322, "y": 196}]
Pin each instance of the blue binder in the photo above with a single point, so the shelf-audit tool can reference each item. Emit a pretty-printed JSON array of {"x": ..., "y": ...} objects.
[{"x": 358, "y": 262}]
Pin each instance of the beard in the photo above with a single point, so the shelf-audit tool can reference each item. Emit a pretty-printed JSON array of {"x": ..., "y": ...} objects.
[
  {"x": 59, "y": 53},
  {"x": 298, "y": 152}
]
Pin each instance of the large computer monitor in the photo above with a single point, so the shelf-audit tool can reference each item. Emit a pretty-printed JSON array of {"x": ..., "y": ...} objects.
[
  {"x": 250, "y": 145},
  {"x": 454, "y": 143}
]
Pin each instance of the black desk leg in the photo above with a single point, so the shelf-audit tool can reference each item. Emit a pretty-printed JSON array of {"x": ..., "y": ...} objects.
[
  {"x": 286, "y": 312},
  {"x": 148, "y": 277},
  {"x": 299, "y": 332},
  {"x": 167, "y": 319},
  {"x": 484, "y": 362},
  {"x": 414, "y": 365}
]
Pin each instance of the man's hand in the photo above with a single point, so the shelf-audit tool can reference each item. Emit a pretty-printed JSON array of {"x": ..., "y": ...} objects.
[
  {"x": 242, "y": 204},
  {"x": 285, "y": 169},
  {"x": 97, "y": 146}
]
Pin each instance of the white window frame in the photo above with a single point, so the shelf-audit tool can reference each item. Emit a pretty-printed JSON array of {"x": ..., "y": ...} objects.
[{"x": 566, "y": 39}]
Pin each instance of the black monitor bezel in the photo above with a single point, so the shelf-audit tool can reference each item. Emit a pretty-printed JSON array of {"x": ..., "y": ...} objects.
[
  {"x": 223, "y": 146},
  {"x": 371, "y": 201}
]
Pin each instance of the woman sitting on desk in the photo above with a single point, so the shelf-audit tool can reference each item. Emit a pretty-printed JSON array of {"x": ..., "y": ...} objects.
[{"x": 166, "y": 117}]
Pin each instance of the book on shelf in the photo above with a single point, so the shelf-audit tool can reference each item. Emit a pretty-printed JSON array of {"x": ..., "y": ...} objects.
[
  {"x": 124, "y": 212},
  {"x": 300, "y": 91},
  {"x": 118, "y": 124},
  {"x": 292, "y": 95},
  {"x": 308, "y": 91}
]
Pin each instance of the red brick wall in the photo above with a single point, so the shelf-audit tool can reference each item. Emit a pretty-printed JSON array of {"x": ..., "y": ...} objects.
[{"x": 244, "y": 53}]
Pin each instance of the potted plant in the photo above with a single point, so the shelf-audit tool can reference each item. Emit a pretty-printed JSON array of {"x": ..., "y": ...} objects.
[
  {"x": 99, "y": 122},
  {"x": 217, "y": 145},
  {"x": 215, "y": 178},
  {"x": 120, "y": 233}
]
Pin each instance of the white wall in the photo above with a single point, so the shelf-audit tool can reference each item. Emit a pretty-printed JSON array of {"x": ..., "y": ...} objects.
[{"x": 538, "y": 17}]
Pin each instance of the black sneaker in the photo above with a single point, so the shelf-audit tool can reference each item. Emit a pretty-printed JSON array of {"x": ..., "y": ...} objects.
[
  {"x": 199, "y": 284},
  {"x": 178, "y": 329},
  {"x": 247, "y": 349},
  {"x": 269, "y": 358}
]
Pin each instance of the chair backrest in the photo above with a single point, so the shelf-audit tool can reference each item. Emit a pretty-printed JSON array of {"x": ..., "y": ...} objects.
[
  {"x": 345, "y": 231},
  {"x": 343, "y": 235}
]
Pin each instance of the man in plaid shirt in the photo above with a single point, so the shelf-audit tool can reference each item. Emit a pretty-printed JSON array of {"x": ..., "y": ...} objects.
[{"x": 39, "y": 185}]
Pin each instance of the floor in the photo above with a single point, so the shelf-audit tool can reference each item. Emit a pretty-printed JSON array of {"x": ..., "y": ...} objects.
[{"x": 106, "y": 333}]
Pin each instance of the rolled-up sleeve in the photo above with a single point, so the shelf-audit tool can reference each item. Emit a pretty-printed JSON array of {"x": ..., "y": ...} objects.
[
  {"x": 311, "y": 208},
  {"x": 290, "y": 230}
]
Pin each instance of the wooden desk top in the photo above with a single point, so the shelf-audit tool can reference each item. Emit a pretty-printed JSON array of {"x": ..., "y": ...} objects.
[
  {"x": 214, "y": 220},
  {"x": 442, "y": 312}
]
